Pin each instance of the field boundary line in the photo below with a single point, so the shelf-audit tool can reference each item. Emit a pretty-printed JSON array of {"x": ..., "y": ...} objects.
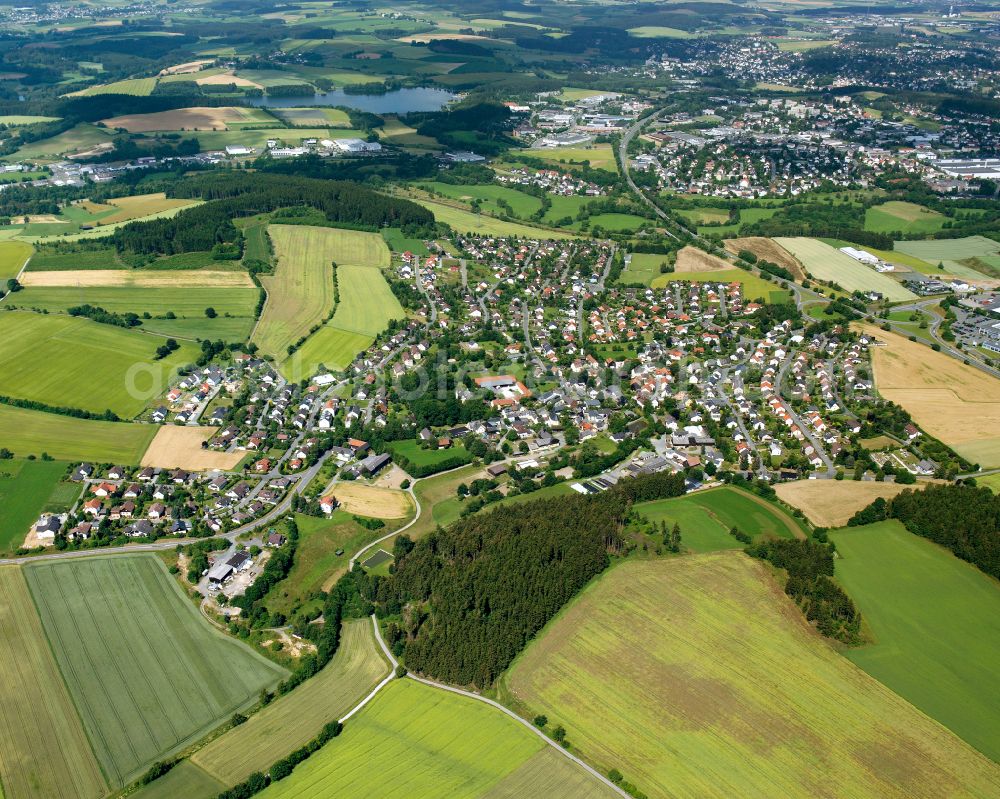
[
  {"x": 393, "y": 663},
  {"x": 507, "y": 711}
]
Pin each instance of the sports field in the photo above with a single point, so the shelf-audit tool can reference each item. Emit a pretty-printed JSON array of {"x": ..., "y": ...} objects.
[
  {"x": 936, "y": 624},
  {"x": 300, "y": 292},
  {"x": 28, "y": 432},
  {"x": 294, "y": 719},
  {"x": 25, "y": 488},
  {"x": 697, "y": 676},
  {"x": 953, "y": 402},
  {"x": 13, "y": 255},
  {"x": 824, "y": 262},
  {"x": 417, "y": 742},
  {"x": 467, "y": 222},
  {"x": 77, "y": 363},
  {"x": 830, "y": 503},
  {"x": 903, "y": 217},
  {"x": 146, "y": 671},
  {"x": 43, "y": 748},
  {"x": 706, "y": 517}
]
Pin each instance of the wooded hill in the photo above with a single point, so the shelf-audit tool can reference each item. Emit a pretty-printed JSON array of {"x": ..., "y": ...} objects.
[{"x": 239, "y": 194}]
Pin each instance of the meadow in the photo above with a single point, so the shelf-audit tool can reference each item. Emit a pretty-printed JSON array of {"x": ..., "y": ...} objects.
[
  {"x": 648, "y": 672},
  {"x": 185, "y": 779},
  {"x": 13, "y": 255},
  {"x": 754, "y": 287},
  {"x": 29, "y": 432},
  {"x": 74, "y": 362},
  {"x": 902, "y": 217},
  {"x": 25, "y": 488},
  {"x": 198, "y": 118},
  {"x": 146, "y": 670},
  {"x": 418, "y": 456},
  {"x": 490, "y": 196},
  {"x": 936, "y": 624},
  {"x": 830, "y": 503},
  {"x": 367, "y": 304},
  {"x": 467, "y": 222},
  {"x": 824, "y": 262},
  {"x": 975, "y": 257},
  {"x": 296, "y": 718},
  {"x": 416, "y": 742},
  {"x": 705, "y": 518},
  {"x": 184, "y": 302},
  {"x": 438, "y": 502},
  {"x": 955, "y": 403},
  {"x": 43, "y": 747},
  {"x": 300, "y": 292},
  {"x": 137, "y": 87},
  {"x": 124, "y": 209}
]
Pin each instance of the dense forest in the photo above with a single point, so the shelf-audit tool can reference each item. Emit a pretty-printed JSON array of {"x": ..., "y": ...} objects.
[
  {"x": 963, "y": 518},
  {"x": 473, "y": 596},
  {"x": 238, "y": 194}
]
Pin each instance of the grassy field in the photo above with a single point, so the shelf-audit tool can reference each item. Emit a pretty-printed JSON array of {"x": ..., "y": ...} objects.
[
  {"x": 300, "y": 292},
  {"x": 27, "y": 432},
  {"x": 903, "y": 217},
  {"x": 438, "y": 500},
  {"x": 830, "y": 503},
  {"x": 468, "y": 222},
  {"x": 415, "y": 741},
  {"x": 705, "y": 518},
  {"x": 140, "y": 205},
  {"x": 73, "y": 362},
  {"x": 82, "y": 137},
  {"x": 366, "y": 306},
  {"x": 824, "y": 262},
  {"x": 294, "y": 719},
  {"x": 146, "y": 671},
  {"x": 697, "y": 676},
  {"x": 43, "y": 747},
  {"x": 137, "y": 87},
  {"x": 523, "y": 205},
  {"x": 13, "y": 255},
  {"x": 413, "y": 452},
  {"x": 599, "y": 156},
  {"x": 936, "y": 624},
  {"x": 973, "y": 257},
  {"x": 185, "y": 302},
  {"x": 953, "y": 402},
  {"x": 25, "y": 488},
  {"x": 185, "y": 779}
]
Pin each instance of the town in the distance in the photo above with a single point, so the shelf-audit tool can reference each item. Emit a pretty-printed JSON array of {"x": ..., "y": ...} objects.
[{"x": 500, "y": 399}]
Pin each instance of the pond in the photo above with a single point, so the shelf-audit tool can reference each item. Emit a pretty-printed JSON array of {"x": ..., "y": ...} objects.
[{"x": 398, "y": 101}]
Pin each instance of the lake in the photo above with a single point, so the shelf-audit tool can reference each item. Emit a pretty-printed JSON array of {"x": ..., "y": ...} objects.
[{"x": 398, "y": 101}]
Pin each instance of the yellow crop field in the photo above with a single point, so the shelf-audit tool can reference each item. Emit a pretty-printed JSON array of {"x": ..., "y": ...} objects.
[{"x": 830, "y": 503}]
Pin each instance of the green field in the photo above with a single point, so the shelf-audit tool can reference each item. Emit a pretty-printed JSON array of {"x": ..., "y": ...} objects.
[
  {"x": 599, "y": 156},
  {"x": 300, "y": 292},
  {"x": 467, "y": 222},
  {"x": 294, "y": 719},
  {"x": 366, "y": 307},
  {"x": 28, "y": 432},
  {"x": 824, "y": 262},
  {"x": 137, "y": 87},
  {"x": 974, "y": 257},
  {"x": 183, "y": 780},
  {"x": 43, "y": 747},
  {"x": 705, "y": 518},
  {"x": 25, "y": 489},
  {"x": 523, "y": 205},
  {"x": 615, "y": 223},
  {"x": 146, "y": 670},
  {"x": 57, "y": 261},
  {"x": 438, "y": 494},
  {"x": 13, "y": 255},
  {"x": 74, "y": 362},
  {"x": 187, "y": 304},
  {"x": 82, "y": 137},
  {"x": 697, "y": 676},
  {"x": 903, "y": 217},
  {"x": 416, "y": 742},
  {"x": 936, "y": 624},
  {"x": 418, "y": 456}
]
